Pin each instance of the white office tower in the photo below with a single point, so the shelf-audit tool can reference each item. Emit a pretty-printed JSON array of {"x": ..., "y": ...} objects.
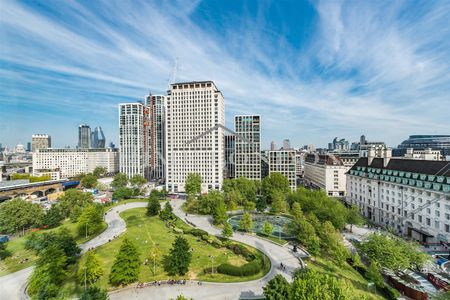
[
  {"x": 134, "y": 139},
  {"x": 248, "y": 147},
  {"x": 156, "y": 105},
  {"x": 194, "y": 135}
]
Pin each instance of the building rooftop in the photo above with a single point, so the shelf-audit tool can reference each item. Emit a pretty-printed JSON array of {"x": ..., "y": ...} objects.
[
  {"x": 324, "y": 159},
  {"x": 429, "y": 167}
]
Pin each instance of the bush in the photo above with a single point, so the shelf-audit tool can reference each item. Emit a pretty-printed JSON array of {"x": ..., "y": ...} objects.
[
  {"x": 389, "y": 292},
  {"x": 251, "y": 268},
  {"x": 197, "y": 232},
  {"x": 239, "y": 249}
]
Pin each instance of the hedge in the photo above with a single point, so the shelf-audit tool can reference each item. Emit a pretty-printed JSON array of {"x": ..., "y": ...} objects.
[
  {"x": 197, "y": 232},
  {"x": 239, "y": 249},
  {"x": 251, "y": 268}
]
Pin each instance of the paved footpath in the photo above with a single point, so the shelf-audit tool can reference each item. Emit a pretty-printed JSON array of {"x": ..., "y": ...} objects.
[
  {"x": 12, "y": 286},
  {"x": 277, "y": 254}
]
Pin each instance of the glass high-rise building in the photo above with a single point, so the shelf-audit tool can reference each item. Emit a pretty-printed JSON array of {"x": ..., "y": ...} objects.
[
  {"x": 98, "y": 138},
  {"x": 156, "y": 105},
  {"x": 248, "y": 147},
  {"x": 84, "y": 136},
  {"x": 422, "y": 142}
]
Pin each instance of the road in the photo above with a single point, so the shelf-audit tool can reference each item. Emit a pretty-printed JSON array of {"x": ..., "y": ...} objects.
[
  {"x": 276, "y": 253},
  {"x": 12, "y": 286}
]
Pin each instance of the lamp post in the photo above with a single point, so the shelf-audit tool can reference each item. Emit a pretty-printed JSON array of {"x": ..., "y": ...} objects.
[{"x": 212, "y": 264}]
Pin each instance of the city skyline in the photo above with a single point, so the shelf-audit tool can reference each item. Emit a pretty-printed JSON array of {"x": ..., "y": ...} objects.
[{"x": 312, "y": 71}]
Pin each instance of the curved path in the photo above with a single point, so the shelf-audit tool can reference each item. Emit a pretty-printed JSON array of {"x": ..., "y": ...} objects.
[
  {"x": 277, "y": 254},
  {"x": 12, "y": 286}
]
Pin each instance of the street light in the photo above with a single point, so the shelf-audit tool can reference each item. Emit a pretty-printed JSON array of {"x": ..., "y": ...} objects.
[{"x": 212, "y": 264}]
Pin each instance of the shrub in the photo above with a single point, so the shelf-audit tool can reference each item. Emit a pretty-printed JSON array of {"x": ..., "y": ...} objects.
[
  {"x": 239, "y": 249},
  {"x": 251, "y": 268},
  {"x": 197, "y": 232}
]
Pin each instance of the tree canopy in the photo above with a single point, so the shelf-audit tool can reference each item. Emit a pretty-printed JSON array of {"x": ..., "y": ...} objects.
[
  {"x": 277, "y": 288},
  {"x": 99, "y": 171},
  {"x": 275, "y": 182},
  {"x": 179, "y": 258},
  {"x": 89, "y": 181},
  {"x": 19, "y": 214},
  {"x": 120, "y": 180},
  {"x": 246, "y": 223},
  {"x": 138, "y": 181},
  {"x": 90, "y": 269},
  {"x": 72, "y": 202},
  {"x": 153, "y": 207},
  {"x": 125, "y": 269},
  {"x": 193, "y": 184},
  {"x": 91, "y": 220}
]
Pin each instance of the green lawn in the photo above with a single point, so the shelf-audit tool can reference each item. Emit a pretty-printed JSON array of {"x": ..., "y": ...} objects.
[
  {"x": 347, "y": 273},
  {"x": 19, "y": 254},
  {"x": 147, "y": 232}
]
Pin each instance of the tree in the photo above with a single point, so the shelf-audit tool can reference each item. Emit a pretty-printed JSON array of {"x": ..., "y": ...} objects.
[
  {"x": 274, "y": 182},
  {"x": 153, "y": 206},
  {"x": 90, "y": 269},
  {"x": 314, "y": 285},
  {"x": 392, "y": 252},
  {"x": 354, "y": 217},
  {"x": 227, "y": 231},
  {"x": 94, "y": 293},
  {"x": 99, "y": 171},
  {"x": 48, "y": 274},
  {"x": 123, "y": 193},
  {"x": 233, "y": 198},
  {"x": 72, "y": 202},
  {"x": 4, "y": 252},
  {"x": 53, "y": 217},
  {"x": 125, "y": 269},
  {"x": 261, "y": 204},
  {"x": 249, "y": 205},
  {"x": 193, "y": 185},
  {"x": 90, "y": 221},
  {"x": 277, "y": 288},
  {"x": 220, "y": 212},
  {"x": 166, "y": 213},
  {"x": 120, "y": 180},
  {"x": 278, "y": 202},
  {"x": 267, "y": 228},
  {"x": 181, "y": 297},
  {"x": 19, "y": 214},
  {"x": 138, "y": 181},
  {"x": 246, "y": 222},
  {"x": 180, "y": 257},
  {"x": 89, "y": 181}
]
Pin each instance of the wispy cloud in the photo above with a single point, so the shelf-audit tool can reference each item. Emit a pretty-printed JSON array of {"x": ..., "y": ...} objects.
[{"x": 379, "y": 68}]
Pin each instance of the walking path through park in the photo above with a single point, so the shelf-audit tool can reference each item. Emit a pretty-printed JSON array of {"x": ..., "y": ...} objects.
[
  {"x": 12, "y": 286},
  {"x": 250, "y": 289}
]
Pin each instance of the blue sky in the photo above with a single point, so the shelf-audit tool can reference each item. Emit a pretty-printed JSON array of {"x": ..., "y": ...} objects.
[{"x": 313, "y": 70}]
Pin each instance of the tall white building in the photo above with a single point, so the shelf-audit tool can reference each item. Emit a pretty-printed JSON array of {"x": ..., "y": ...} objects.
[
  {"x": 326, "y": 172},
  {"x": 40, "y": 141},
  {"x": 73, "y": 162},
  {"x": 410, "y": 196},
  {"x": 134, "y": 139},
  {"x": 247, "y": 155},
  {"x": 194, "y": 135},
  {"x": 284, "y": 162}
]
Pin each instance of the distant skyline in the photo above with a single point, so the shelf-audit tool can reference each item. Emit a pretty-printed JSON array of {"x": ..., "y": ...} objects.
[{"x": 313, "y": 70}]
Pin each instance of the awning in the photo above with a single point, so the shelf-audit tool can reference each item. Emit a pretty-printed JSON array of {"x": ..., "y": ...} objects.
[{"x": 422, "y": 232}]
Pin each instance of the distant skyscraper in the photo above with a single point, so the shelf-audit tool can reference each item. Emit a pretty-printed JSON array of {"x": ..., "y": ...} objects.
[
  {"x": 156, "y": 105},
  {"x": 134, "y": 139},
  {"x": 194, "y": 135},
  {"x": 40, "y": 141},
  {"x": 84, "y": 136},
  {"x": 111, "y": 145},
  {"x": 247, "y": 145},
  {"x": 273, "y": 146},
  {"x": 98, "y": 138},
  {"x": 29, "y": 147},
  {"x": 286, "y": 144}
]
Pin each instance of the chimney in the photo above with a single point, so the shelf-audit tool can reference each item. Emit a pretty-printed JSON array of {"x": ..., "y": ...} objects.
[{"x": 386, "y": 156}]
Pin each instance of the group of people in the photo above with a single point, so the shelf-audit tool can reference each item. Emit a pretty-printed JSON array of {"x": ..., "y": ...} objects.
[
  {"x": 160, "y": 282},
  {"x": 282, "y": 267}
]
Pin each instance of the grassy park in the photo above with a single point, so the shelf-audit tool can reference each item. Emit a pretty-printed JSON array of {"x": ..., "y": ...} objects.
[{"x": 151, "y": 234}]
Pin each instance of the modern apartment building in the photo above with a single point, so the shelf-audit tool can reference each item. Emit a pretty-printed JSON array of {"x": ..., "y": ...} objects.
[
  {"x": 40, "y": 141},
  {"x": 410, "y": 196},
  {"x": 229, "y": 156},
  {"x": 326, "y": 172},
  {"x": 284, "y": 162},
  {"x": 72, "y": 162},
  {"x": 194, "y": 135},
  {"x": 134, "y": 139},
  {"x": 156, "y": 105},
  {"x": 84, "y": 136},
  {"x": 248, "y": 147}
]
